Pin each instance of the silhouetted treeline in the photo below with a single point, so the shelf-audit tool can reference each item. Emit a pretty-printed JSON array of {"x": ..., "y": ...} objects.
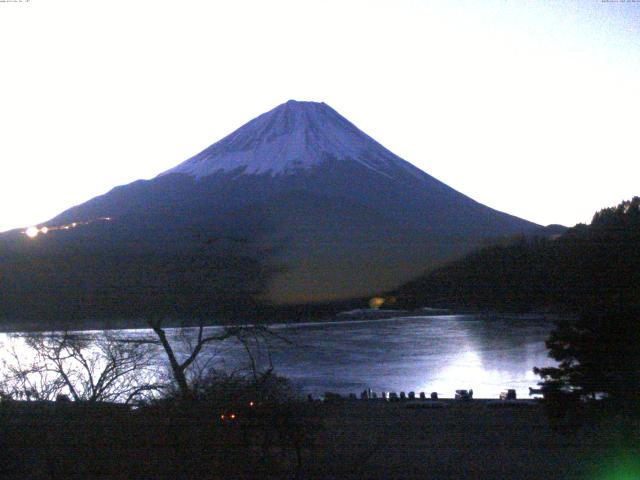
[
  {"x": 596, "y": 264},
  {"x": 238, "y": 430}
]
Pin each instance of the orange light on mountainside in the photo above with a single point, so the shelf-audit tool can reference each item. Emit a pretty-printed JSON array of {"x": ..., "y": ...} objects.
[{"x": 33, "y": 231}]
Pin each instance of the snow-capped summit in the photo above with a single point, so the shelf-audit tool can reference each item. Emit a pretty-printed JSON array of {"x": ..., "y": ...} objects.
[{"x": 292, "y": 137}]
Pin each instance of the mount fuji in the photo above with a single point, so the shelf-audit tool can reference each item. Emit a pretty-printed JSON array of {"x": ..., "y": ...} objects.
[
  {"x": 291, "y": 139},
  {"x": 326, "y": 209}
]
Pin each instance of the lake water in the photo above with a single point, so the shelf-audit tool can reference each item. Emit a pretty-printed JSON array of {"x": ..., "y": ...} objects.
[{"x": 432, "y": 353}]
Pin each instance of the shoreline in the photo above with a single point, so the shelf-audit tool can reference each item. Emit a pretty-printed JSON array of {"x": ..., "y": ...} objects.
[{"x": 340, "y": 318}]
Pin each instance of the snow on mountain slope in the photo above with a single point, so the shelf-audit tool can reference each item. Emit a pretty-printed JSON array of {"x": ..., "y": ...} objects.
[{"x": 292, "y": 137}]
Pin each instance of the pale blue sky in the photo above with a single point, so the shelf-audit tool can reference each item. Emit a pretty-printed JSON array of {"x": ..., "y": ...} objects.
[{"x": 530, "y": 107}]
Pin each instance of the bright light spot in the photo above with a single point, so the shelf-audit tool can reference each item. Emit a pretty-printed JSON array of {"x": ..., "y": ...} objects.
[
  {"x": 44, "y": 229},
  {"x": 32, "y": 232},
  {"x": 376, "y": 302},
  {"x": 73, "y": 224},
  {"x": 463, "y": 371}
]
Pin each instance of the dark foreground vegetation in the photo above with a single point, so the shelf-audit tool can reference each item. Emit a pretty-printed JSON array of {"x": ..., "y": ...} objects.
[
  {"x": 240, "y": 435},
  {"x": 354, "y": 439},
  {"x": 102, "y": 405}
]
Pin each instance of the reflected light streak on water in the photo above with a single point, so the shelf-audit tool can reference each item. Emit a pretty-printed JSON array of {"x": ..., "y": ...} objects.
[{"x": 438, "y": 353}]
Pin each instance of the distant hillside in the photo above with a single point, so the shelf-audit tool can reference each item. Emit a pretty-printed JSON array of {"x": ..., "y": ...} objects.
[{"x": 586, "y": 265}]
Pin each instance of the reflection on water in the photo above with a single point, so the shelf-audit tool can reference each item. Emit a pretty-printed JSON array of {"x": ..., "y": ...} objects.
[
  {"x": 442, "y": 354},
  {"x": 438, "y": 353}
]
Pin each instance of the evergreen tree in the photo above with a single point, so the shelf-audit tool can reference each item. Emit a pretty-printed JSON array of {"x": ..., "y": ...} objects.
[{"x": 599, "y": 356}]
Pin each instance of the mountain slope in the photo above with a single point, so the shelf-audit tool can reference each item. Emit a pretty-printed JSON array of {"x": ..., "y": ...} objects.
[{"x": 329, "y": 212}]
